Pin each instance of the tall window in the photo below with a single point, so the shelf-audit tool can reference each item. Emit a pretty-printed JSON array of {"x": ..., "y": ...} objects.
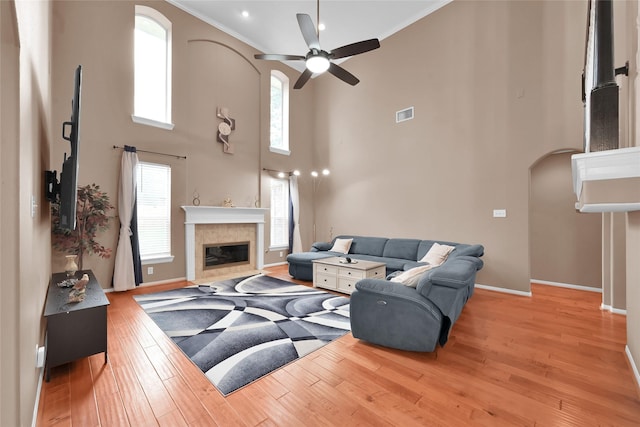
[
  {"x": 154, "y": 211},
  {"x": 279, "y": 213},
  {"x": 279, "y": 139},
  {"x": 152, "y": 62}
]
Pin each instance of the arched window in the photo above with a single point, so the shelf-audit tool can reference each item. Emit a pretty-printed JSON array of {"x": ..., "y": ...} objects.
[
  {"x": 152, "y": 68},
  {"x": 279, "y": 134}
]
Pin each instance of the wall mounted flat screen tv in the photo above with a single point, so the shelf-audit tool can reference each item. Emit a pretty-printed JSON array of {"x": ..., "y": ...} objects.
[{"x": 66, "y": 191}]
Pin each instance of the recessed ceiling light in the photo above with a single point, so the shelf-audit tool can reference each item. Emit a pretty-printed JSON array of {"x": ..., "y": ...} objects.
[
  {"x": 321, "y": 26},
  {"x": 245, "y": 13}
]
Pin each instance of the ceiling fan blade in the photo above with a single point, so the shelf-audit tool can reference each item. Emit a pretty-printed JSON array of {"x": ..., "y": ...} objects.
[
  {"x": 277, "y": 57},
  {"x": 308, "y": 30},
  {"x": 355, "y": 48},
  {"x": 343, "y": 74},
  {"x": 304, "y": 78}
]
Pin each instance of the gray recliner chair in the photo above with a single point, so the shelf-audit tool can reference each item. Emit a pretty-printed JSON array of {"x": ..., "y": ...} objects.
[{"x": 414, "y": 319}]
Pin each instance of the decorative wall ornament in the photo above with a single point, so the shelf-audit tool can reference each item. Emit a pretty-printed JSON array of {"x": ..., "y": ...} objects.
[
  {"x": 224, "y": 129},
  {"x": 227, "y": 203},
  {"x": 196, "y": 198}
]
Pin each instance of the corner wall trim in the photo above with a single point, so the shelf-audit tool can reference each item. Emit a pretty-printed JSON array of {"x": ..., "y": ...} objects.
[
  {"x": 567, "y": 285},
  {"x": 503, "y": 290},
  {"x": 613, "y": 310},
  {"x": 634, "y": 367}
]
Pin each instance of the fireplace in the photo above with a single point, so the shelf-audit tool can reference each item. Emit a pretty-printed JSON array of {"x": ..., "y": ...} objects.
[
  {"x": 220, "y": 255},
  {"x": 214, "y": 224}
]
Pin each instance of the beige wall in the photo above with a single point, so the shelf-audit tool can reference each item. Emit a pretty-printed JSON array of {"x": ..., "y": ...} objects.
[
  {"x": 26, "y": 254},
  {"x": 495, "y": 86},
  {"x": 9, "y": 236},
  {"x": 565, "y": 244},
  {"x": 614, "y": 260},
  {"x": 210, "y": 70}
]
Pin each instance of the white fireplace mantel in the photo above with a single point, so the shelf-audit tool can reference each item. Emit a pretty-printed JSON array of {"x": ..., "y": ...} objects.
[{"x": 220, "y": 215}]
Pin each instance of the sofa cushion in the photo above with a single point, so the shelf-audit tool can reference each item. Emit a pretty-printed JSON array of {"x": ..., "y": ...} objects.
[
  {"x": 366, "y": 245},
  {"x": 320, "y": 246},
  {"x": 392, "y": 264},
  {"x": 341, "y": 245},
  {"x": 437, "y": 254},
  {"x": 306, "y": 257},
  {"x": 468, "y": 250},
  {"x": 401, "y": 248},
  {"x": 425, "y": 245},
  {"x": 411, "y": 277}
]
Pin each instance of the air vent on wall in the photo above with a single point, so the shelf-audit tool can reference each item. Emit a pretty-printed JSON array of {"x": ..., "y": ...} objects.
[{"x": 404, "y": 115}]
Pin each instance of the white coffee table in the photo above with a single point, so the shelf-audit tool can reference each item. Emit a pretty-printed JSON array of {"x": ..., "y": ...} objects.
[{"x": 335, "y": 274}]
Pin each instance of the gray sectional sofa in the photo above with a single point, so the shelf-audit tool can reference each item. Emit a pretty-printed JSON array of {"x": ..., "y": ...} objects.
[{"x": 391, "y": 314}]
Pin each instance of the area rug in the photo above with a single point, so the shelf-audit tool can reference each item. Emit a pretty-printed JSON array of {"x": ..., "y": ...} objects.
[{"x": 238, "y": 330}]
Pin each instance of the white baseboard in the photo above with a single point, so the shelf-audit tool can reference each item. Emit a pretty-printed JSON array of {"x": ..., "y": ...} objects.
[
  {"x": 159, "y": 282},
  {"x": 545, "y": 282},
  {"x": 275, "y": 264},
  {"x": 606, "y": 307},
  {"x": 36, "y": 406},
  {"x": 567, "y": 285},
  {"x": 163, "y": 282},
  {"x": 634, "y": 367},
  {"x": 503, "y": 290}
]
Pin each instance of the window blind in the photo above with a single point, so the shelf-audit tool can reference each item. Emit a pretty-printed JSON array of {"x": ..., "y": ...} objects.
[
  {"x": 279, "y": 212},
  {"x": 154, "y": 209}
]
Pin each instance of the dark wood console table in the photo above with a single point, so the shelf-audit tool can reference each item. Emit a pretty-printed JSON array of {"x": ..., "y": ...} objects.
[{"x": 76, "y": 329}]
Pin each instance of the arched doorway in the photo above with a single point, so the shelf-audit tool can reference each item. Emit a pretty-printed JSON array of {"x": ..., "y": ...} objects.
[{"x": 565, "y": 245}]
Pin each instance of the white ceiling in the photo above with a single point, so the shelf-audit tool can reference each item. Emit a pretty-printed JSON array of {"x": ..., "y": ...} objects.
[{"x": 271, "y": 26}]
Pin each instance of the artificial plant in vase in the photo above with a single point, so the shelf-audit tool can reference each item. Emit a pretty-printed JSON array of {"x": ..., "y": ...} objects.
[{"x": 91, "y": 218}]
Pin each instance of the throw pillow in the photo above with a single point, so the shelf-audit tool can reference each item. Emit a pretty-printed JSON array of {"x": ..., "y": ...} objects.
[
  {"x": 341, "y": 245},
  {"x": 411, "y": 277},
  {"x": 437, "y": 254}
]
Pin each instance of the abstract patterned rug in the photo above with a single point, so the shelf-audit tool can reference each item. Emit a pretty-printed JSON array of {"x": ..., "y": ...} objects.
[{"x": 238, "y": 330}]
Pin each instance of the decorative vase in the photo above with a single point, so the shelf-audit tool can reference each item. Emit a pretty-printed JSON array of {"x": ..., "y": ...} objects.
[{"x": 71, "y": 267}]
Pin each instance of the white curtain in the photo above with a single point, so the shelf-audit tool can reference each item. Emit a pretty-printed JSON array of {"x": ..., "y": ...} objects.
[
  {"x": 123, "y": 273},
  {"x": 295, "y": 202}
]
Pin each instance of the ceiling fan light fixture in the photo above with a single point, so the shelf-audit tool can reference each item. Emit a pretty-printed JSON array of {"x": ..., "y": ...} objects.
[{"x": 317, "y": 63}]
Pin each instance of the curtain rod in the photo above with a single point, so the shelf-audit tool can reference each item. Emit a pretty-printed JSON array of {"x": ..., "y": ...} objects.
[
  {"x": 155, "y": 152},
  {"x": 289, "y": 173}
]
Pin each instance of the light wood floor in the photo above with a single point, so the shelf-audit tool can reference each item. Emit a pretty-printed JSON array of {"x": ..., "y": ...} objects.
[{"x": 549, "y": 360}]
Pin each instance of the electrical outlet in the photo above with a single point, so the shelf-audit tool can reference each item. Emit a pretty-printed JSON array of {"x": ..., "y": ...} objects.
[
  {"x": 499, "y": 213},
  {"x": 149, "y": 271},
  {"x": 40, "y": 356},
  {"x": 280, "y": 254}
]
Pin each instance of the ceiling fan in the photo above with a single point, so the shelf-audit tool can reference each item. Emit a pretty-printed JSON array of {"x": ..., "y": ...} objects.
[{"x": 317, "y": 60}]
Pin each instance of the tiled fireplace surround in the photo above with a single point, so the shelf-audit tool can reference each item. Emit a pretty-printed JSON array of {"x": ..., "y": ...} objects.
[{"x": 216, "y": 225}]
